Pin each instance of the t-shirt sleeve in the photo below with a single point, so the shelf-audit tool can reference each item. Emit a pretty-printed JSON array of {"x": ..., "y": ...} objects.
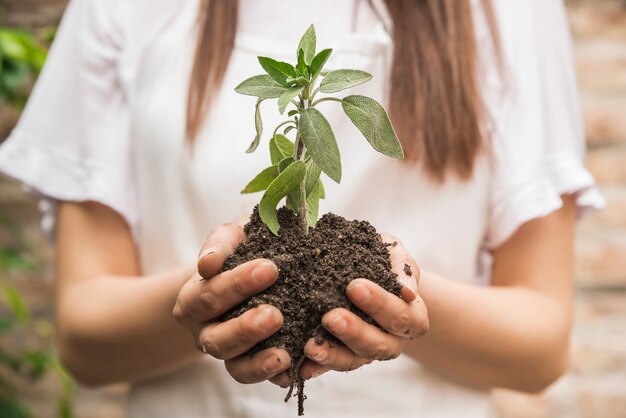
[
  {"x": 72, "y": 141},
  {"x": 538, "y": 134}
]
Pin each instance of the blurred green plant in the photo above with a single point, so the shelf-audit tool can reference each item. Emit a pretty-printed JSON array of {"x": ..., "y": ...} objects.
[
  {"x": 22, "y": 56},
  {"x": 23, "y": 363}
]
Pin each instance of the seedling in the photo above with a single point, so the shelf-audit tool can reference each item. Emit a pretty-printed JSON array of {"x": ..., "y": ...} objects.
[{"x": 297, "y": 165}]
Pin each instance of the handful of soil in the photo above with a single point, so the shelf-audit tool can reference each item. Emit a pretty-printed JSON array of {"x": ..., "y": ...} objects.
[{"x": 314, "y": 271}]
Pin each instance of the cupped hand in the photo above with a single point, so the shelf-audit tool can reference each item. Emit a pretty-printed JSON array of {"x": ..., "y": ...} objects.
[
  {"x": 210, "y": 293},
  {"x": 402, "y": 318}
]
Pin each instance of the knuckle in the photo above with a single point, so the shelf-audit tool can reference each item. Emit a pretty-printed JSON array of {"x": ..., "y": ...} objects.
[
  {"x": 377, "y": 352},
  {"x": 209, "y": 303},
  {"x": 401, "y": 324},
  {"x": 246, "y": 331},
  {"x": 181, "y": 315},
  {"x": 239, "y": 288},
  {"x": 376, "y": 305},
  {"x": 210, "y": 346}
]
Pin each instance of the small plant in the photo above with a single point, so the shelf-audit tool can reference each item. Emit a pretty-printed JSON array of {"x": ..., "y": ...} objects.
[
  {"x": 297, "y": 166},
  {"x": 316, "y": 259}
]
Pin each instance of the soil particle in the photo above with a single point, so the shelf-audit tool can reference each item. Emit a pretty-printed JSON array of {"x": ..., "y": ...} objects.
[
  {"x": 407, "y": 270},
  {"x": 314, "y": 271}
]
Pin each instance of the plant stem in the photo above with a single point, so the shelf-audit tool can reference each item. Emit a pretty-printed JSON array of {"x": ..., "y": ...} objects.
[
  {"x": 312, "y": 96},
  {"x": 326, "y": 99},
  {"x": 298, "y": 154},
  {"x": 283, "y": 124}
]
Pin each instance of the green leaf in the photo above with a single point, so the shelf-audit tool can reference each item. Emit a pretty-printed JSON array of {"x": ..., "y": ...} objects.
[
  {"x": 284, "y": 163},
  {"x": 258, "y": 126},
  {"x": 319, "y": 139},
  {"x": 286, "y": 97},
  {"x": 312, "y": 210},
  {"x": 313, "y": 172},
  {"x": 11, "y": 408},
  {"x": 278, "y": 70},
  {"x": 318, "y": 62},
  {"x": 38, "y": 362},
  {"x": 301, "y": 66},
  {"x": 320, "y": 187},
  {"x": 293, "y": 200},
  {"x": 12, "y": 260},
  {"x": 299, "y": 81},
  {"x": 372, "y": 120},
  {"x": 307, "y": 44},
  {"x": 5, "y": 325},
  {"x": 280, "y": 187},
  {"x": 262, "y": 86},
  {"x": 288, "y": 129},
  {"x": 280, "y": 148},
  {"x": 262, "y": 180},
  {"x": 293, "y": 112},
  {"x": 13, "y": 46},
  {"x": 16, "y": 304},
  {"x": 343, "y": 79}
]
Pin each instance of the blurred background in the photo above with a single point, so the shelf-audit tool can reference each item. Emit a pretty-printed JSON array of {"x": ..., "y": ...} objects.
[{"x": 32, "y": 384}]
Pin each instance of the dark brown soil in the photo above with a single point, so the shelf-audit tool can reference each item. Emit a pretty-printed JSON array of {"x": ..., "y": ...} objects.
[{"x": 314, "y": 271}]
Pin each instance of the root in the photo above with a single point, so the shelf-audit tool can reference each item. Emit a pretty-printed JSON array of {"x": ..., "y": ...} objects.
[{"x": 298, "y": 383}]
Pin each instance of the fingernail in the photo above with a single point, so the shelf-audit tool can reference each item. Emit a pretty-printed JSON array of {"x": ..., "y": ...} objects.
[
  {"x": 272, "y": 364},
  {"x": 338, "y": 323},
  {"x": 206, "y": 251},
  {"x": 406, "y": 292},
  {"x": 265, "y": 273},
  {"x": 266, "y": 319},
  {"x": 359, "y": 292}
]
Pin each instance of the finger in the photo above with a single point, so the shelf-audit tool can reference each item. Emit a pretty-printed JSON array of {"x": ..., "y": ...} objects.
[
  {"x": 408, "y": 320},
  {"x": 220, "y": 243},
  {"x": 261, "y": 366},
  {"x": 308, "y": 370},
  {"x": 311, "y": 369},
  {"x": 334, "y": 357},
  {"x": 226, "y": 340},
  {"x": 282, "y": 379},
  {"x": 201, "y": 300},
  {"x": 363, "y": 339},
  {"x": 404, "y": 266}
]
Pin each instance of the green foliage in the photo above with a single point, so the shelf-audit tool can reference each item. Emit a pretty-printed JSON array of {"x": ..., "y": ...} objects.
[
  {"x": 286, "y": 181},
  {"x": 261, "y": 86},
  {"x": 320, "y": 142},
  {"x": 297, "y": 166},
  {"x": 280, "y": 148},
  {"x": 262, "y": 181},
  {"x": 21, "y": 59},
  {"x": 307, "y": 45},
  {"x": 339, "y": 80},
  {"x": 372, "y": 120},
  {"x": 258, "y": 126},
  {"x": 22, "y": 56}
]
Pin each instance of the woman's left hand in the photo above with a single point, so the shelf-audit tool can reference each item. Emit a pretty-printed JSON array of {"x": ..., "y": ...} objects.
[{"x": 403, "y": 318}]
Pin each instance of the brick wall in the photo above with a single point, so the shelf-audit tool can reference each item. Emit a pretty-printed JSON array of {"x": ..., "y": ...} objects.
[{"x": 595, "y": 386}]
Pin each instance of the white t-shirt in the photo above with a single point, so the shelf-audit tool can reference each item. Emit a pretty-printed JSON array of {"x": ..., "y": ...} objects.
[{"x": 106, "y": 123}]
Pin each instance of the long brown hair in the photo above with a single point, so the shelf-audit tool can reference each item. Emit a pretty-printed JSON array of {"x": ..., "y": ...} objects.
[{"x": 436, "y": 105}]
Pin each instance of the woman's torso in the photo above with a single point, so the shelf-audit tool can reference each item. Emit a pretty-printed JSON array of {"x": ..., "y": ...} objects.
[{"x": 182, "y": 197}]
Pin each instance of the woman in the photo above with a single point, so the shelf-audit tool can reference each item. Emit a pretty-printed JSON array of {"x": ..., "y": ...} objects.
[{"x": 483, "y": 97}]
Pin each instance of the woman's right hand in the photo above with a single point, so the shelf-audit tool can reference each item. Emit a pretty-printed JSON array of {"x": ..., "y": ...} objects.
[{"x": 210, "y": 293}]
